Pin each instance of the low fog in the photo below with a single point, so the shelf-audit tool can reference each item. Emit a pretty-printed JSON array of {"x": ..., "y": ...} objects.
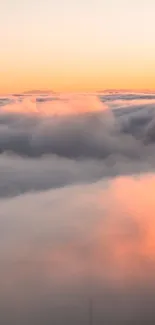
[
  {"x": 62, "y": 248},
  {"x": 77, "y": 228}
]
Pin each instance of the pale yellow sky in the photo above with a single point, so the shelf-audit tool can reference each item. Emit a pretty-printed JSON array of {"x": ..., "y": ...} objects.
[{"x": 69, "y": 45}]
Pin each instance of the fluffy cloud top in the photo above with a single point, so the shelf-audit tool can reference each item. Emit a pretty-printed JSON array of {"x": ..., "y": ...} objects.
[{"x": 72, "y": 139}]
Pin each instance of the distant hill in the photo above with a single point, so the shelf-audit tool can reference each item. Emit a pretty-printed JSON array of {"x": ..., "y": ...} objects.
[
  {"x": 112, "y": 91},
  {"x": 38, "y": 92}
]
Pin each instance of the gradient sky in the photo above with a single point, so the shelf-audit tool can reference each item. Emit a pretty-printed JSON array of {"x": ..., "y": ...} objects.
[{"x": 77, "y": 45}]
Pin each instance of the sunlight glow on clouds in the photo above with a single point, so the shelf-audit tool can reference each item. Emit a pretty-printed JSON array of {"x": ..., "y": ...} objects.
[{"x": 60, "y": 105}]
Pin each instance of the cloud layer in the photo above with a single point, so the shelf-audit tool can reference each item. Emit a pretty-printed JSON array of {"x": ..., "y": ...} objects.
[
  {"x": 76, "y": 126},
  {"x": 73, "y": 139},
  {"x": 77, "y": 208},
  {"x": 60, "y": 248}
]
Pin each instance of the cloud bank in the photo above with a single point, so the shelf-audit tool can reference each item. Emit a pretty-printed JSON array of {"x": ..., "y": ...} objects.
[
  {"x": 72, "y": 139},
  {"x": 77, "y": 208},
  {"x": 60, "y": 248}
]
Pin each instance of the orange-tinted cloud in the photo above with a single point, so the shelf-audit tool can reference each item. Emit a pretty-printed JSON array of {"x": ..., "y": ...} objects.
[{"x": 109, "y": 234}]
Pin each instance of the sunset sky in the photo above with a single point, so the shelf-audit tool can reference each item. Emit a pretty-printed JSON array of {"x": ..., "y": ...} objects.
[{"x": 70, "y": 45}]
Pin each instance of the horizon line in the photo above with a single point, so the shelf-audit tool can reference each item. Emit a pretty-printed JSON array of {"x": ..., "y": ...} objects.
[{"x": 51, "y": 91}]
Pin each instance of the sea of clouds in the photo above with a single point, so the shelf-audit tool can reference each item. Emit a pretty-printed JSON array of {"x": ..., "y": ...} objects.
[
  {"x": 48, "y": 142},
  {"x": 77, "y": 209}
]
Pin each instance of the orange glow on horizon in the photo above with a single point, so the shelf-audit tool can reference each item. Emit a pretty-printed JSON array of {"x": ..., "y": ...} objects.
[{"x": 72, "y": 79}]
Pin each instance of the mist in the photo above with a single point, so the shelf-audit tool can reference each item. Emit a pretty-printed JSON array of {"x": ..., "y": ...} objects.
[{"x": 97, "y": 245}]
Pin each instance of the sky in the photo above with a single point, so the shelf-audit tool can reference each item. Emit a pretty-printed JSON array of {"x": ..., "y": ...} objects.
[{"x": 69, "y": 45}]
